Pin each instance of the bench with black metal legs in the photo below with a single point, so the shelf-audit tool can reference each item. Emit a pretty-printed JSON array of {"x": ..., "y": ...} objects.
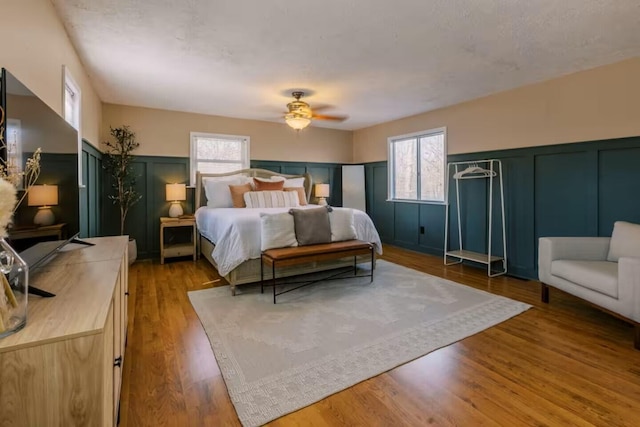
[{"x": 284, "y": 257}]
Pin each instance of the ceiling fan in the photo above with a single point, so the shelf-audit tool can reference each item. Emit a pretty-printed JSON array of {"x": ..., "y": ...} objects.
[{"x": 300, "y": 113}]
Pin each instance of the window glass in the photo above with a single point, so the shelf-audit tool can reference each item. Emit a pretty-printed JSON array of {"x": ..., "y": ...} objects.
[
  {"x": 417, "y": 166},
  {"x": 212, "y": 153},
  {"x": 432, "y": 167},
  {"x": 406, "y": 167}
]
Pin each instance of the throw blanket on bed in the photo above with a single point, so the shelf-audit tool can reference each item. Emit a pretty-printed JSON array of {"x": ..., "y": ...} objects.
[{"x": 236, "y": 233}]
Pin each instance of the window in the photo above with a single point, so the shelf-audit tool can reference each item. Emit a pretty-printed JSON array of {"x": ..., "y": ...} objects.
[
  {"x": 71, "y": 105},
  {"x": 71, "y": 100},
  {"x": 212, "y": 153},
  {"x": 417, "y": 166}
]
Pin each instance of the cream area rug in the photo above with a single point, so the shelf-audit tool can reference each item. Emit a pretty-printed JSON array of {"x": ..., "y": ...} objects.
[{"x": 326, "y": 337}]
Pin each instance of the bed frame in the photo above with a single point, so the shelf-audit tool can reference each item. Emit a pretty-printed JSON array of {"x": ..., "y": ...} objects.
[{"x": 249, "y": 271}]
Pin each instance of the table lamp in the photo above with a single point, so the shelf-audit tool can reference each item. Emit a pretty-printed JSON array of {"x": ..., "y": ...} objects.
[
  {"x": 322, "y": 192},
  {"x": 176, "y": 193},
  {"x": 43, "y": 196}
]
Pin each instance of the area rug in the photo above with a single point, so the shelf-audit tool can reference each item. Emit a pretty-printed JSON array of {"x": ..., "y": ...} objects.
[{"x": 324, "y": 338}]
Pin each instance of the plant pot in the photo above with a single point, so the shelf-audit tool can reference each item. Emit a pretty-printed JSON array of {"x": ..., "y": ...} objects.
[
  {"x": 133, "y": 251},
  {"x": 14, "y": 282}
]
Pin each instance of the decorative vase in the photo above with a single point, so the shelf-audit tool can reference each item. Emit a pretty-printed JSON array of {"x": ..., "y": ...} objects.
[{"x": 14, "y": 275}]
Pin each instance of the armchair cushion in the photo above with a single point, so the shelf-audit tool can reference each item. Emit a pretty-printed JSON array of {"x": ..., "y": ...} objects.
[
  {"x": 599, "y": 276},
  {"x": 625, "y": 241}
]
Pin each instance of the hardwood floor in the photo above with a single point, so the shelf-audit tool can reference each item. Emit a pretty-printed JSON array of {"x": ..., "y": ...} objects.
[{"x": 561, "y": 364}]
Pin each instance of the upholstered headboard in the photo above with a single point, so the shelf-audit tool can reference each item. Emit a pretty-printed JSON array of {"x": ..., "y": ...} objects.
[{"x": 201, "y": 198}]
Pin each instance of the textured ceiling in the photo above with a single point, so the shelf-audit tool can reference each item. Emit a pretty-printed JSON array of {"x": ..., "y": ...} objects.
[{"x": 372, "y": 60}]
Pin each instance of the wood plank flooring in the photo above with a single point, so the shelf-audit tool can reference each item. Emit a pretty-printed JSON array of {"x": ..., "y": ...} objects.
[{"x": 561, "y": 364}]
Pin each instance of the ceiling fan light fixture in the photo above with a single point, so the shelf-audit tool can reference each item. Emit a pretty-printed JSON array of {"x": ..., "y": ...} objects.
[{"x": 296, "y": 121}]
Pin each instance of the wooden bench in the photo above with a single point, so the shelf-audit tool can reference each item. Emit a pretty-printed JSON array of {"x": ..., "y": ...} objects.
[{"x": 283, "y": 257}]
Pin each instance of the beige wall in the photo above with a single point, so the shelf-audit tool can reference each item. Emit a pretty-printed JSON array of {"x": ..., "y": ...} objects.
[
  {"x": 34, "y": 48},
  {"x": 596, "y": 104},
  {"x": 166, "y": 133}
]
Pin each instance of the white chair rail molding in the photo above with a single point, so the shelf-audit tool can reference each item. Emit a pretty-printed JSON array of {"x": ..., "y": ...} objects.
[{"x": 604, "y": 271}]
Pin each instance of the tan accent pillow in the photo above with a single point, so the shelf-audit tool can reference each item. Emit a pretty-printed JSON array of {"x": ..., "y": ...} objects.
[
  {"x": 237, "y": 194},
  {"x": 261, "y": 185},
  {"x": 301, "y": 194}
]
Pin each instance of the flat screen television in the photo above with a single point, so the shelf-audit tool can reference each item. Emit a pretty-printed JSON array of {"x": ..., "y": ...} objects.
[{"x": 31, "y": 124}]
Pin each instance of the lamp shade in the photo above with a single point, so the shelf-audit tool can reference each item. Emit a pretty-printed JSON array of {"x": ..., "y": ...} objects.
[
  {"x": 42, "y": 195},
  {"x": 297, "y": 122},
  {"x": 322, "y": 190},
  {"x": 176, "y": 192}
]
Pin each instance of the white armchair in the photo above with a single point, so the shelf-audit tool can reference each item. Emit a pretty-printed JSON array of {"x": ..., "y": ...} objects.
[{"x": 591, "y": 268}]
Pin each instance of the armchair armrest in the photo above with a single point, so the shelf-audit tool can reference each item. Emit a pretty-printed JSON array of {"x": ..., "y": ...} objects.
[
  {"x": 629, "y": 284},
  {"x": 574, "y": 248}
]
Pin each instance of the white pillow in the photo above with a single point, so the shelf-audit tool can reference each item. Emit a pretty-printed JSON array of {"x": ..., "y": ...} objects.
[
  {"x": 289, "y": 183},
  {"x": 342, "y": 225},
  {"x": 217, "y": 190},
  {"x": 278, "y": 231},
  {"x": 294, "y": 182},
  {"x": 271, "y": 199},
  {"x": 625, "y": 241}
]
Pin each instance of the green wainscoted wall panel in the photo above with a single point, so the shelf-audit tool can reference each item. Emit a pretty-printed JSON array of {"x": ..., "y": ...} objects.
[
  {"x": 380, "y": 211},
  {"x": 406, "y": 217},
  {"x": 143, "y": 221},
  {"x": 91, "y": 195},
  {"x": 563, "y": 195},
  {"x": 577, "y": 189},
  {"x": 568, "y": 189},
  {"x": 619, "y": 186},
  {"x": 518, "y": 172}
]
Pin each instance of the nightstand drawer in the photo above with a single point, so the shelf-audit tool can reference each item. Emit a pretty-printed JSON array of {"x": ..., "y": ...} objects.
[{"x": 181, "y": 249}]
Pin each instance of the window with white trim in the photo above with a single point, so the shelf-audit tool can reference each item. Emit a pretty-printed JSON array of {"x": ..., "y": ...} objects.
[
  {"x": 417, "y": 167},
  {"x": 216, "y": 153},
  {"x": 71, "y": 109},
  {"x": 72, "y": 97}
]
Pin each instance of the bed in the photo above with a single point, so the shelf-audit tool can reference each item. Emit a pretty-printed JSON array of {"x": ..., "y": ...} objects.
[{"x": 229, "y": 238}]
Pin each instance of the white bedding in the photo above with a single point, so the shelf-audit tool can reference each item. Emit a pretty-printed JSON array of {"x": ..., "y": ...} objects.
[{"x": 236, "y": 233}]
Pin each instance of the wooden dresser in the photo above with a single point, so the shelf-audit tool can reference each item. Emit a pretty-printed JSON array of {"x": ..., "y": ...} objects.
[{"x": 65, "y": 367}]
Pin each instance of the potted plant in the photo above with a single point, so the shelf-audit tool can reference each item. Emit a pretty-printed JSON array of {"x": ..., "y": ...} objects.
[{"x": 118, "y": 162}]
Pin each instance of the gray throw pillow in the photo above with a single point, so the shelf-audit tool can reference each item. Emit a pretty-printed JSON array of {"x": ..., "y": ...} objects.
[{"x": 312, "y": 225}]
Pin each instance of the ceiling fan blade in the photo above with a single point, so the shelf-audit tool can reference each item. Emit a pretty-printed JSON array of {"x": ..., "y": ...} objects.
[
  {"x": 333, "y": 118},
  {"x": 323, "y": 107}
]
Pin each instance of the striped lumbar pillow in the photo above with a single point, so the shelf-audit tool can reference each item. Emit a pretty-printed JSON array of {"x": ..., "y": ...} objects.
[{"x": 271, "y": 199}]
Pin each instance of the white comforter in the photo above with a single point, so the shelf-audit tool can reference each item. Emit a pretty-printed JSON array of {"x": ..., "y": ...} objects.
[{"x": 236, "y": 233}]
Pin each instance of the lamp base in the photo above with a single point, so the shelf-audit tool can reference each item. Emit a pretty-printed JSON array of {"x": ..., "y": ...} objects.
[
  {"x": 322, "y": 201},
  {"x": 44, "y": 217},
  {"x": 175, "y": 210}
]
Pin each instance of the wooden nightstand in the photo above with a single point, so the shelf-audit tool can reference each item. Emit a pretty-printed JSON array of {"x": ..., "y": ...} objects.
[
  {"x": 31, "y": 232},
  {"x": 170, "y": 250}
]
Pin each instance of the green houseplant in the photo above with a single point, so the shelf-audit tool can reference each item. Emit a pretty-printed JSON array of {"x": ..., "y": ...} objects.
[{"x": 118, "y": 162}]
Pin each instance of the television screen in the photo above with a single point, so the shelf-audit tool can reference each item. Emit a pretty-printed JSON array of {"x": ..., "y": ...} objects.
[{"x": 49, "y": 216}]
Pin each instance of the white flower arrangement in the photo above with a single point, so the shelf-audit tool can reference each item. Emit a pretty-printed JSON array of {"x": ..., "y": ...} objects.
[
  {"x": 7, "y": 204},
  {"x": 9, "y": 181}
]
